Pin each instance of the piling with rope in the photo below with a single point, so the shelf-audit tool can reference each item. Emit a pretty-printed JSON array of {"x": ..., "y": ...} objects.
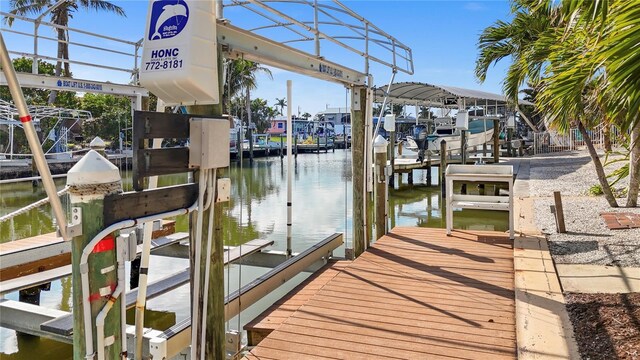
[{"x": 89, "y": 181}]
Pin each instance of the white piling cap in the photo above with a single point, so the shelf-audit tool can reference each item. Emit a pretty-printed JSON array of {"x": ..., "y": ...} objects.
[
  {"x": 93, "y": 168},
  {"x": 380, "y": 144},
  {"x": 97, "y": 142}
]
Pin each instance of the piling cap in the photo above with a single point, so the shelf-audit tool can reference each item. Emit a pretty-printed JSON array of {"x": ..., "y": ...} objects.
[
  {"x": 93, "y": 168},
  {"x": 380, "y": 144},
  {"x": 97, "y": 142}
]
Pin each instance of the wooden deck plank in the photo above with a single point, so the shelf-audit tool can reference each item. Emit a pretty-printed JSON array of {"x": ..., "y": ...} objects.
[{"x": 415, "y": 294}]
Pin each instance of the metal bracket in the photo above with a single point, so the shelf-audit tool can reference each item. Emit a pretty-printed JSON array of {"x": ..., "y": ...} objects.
[
  {"x": 224, "y": 190},
  {"x": 74, "y": 228}
]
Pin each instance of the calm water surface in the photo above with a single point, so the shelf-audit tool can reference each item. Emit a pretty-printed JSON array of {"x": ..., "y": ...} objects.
[{"x": 322, "y": 205}]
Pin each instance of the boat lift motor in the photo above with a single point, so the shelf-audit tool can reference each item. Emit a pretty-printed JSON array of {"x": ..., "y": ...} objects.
[{"x": 421, "y": 137}]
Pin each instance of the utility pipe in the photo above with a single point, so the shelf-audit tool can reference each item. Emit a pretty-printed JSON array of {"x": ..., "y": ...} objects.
[
  {"x": 197, "y": 245},
  {"x": 205, "y": 293},
  {"x": 84, "y": 268},
  {"x": 289, "y": 169},
  {"x": 143, "y": 279},
  {"x": 102, "y": 315},
  {"x": 32, "y": 138}
]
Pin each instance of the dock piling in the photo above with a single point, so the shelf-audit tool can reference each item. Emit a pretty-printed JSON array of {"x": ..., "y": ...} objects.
[
  {"x": 496, "y": 141},
  {"x": 89, "y": 181},
  {"x": 358, "y": 138},
  {"x": 443, "y": 165},
  {"x": 380, "y": 146}
]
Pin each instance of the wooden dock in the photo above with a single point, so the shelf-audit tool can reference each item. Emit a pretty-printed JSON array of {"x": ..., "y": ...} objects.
[{"x": 416, "y": 294}]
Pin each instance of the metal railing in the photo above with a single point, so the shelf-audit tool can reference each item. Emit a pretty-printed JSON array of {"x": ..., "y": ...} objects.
[
  {"x": 551, "y": 141},
  {"x": 101, "y": 57},
  {"x": 328, "y": 23}
]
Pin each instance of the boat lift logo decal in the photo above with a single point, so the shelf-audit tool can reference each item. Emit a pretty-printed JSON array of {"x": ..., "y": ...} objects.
[{"x": 168, "y": 18}]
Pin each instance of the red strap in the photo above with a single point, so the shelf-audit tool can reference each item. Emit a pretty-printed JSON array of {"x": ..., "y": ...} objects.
[
  {"x": 25, "y": 119},
  {"x": 106, "y": 244},
  {"x": 96, "y": 296}
]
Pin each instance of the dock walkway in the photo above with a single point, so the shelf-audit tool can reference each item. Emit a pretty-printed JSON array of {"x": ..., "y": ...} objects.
[{"x": 416, "y": 294}]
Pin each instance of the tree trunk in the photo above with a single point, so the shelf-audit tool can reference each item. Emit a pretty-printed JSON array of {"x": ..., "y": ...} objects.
[
  {"x": 602, "y": 177},
  {"x": 62, "y": 19},
  {"x": 606, "y": 134},
  {"x": 634, "y": 166}
]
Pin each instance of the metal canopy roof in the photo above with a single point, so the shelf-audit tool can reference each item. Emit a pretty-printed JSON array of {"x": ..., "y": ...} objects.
[{"x": 438, "y": 95}]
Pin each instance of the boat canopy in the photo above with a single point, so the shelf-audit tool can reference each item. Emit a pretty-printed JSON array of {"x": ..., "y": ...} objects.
[{"x": 439, "y": 95}]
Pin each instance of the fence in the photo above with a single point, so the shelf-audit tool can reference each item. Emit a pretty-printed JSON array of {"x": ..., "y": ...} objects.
[{"x": 551, "y": 141}]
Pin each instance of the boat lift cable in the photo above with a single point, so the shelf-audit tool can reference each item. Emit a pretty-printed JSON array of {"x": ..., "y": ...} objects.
[
  {"x": 32, "y": 206},
  {"x": 384, "y": 103},
  {"x": 32, "y": 138}
]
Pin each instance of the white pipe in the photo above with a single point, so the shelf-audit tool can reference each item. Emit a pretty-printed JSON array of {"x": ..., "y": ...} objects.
[
  {"x": 141, "y": 300},
  {"x": 197, "y": 244},
  {"x": 84, "y": 268},
  {"x": 205, "y": 293},
  {"x": 289, "y": 169},
  {"x": 32, "y": 138},
  {"x": 100, "y": 319}
]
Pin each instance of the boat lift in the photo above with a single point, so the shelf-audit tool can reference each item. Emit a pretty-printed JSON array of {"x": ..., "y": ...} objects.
[{"x": 327, "y": 24}]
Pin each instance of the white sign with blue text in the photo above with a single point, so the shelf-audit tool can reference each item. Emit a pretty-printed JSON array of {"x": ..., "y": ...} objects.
[{"x": 179, "y": 61}]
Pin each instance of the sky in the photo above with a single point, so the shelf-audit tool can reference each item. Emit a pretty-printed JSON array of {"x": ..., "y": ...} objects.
[{"x": 443, "y": 37}]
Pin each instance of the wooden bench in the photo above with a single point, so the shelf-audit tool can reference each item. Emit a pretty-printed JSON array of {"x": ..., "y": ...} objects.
[{"x": 482, "y": 174}]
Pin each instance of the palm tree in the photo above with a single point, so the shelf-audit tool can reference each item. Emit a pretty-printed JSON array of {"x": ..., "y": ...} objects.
[
  {"x": 541, "y": 52},
  {"x": 60, "y": 15},
  {"x": 305, "y": 116},
  {"x": 610, "y": 31},
  {"x": 281, "y": 103},
  {"x": 241, "y": 75}
]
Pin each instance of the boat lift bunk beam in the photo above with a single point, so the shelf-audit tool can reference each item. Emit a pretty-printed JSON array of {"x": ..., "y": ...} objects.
[{"x": 239, "y": 43}]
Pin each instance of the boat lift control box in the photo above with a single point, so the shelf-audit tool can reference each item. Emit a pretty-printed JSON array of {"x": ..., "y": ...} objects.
[
  {"x": 208, "y": 143},
  {"x": 462, "y": 120},
  {"x": 179, "y": 59},
  {"x": 390, "y": 122}
]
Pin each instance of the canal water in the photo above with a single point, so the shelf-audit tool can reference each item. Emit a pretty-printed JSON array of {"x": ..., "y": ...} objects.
[{"x": 322, "y": 205}]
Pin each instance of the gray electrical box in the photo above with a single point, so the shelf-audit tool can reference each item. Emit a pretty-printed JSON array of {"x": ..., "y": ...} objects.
[{"x": 209, "y": 143}]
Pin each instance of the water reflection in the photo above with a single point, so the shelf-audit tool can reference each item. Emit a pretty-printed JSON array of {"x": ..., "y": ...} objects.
[{"x": 322, "y": 205}]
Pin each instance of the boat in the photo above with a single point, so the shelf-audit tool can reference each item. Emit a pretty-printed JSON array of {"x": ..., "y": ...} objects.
[{"x": 480, "y": 131}]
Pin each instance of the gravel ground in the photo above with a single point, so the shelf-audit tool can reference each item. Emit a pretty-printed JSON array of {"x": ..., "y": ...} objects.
[{"x": 588, "y": 240}]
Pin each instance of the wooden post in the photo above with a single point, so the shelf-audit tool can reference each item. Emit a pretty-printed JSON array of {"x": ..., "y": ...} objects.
[
  {"x": 295, "y": 146},
  {"x": 214, "y": 347},
  {"x": 239, "y": 145},
  {"x": 358, "y": 137},
  {"x": 509, "y": 146},
  {"x": 380, "y": 149},
  {"x": 443, "y": 165},
  {"x": 391, "y": 154},
  {"x": 281, "y": 147},
  {"x": 89, "y": 181},
  {"x": 318, "y": 144},
  {"x": 496, "y": 141},
  {"x": 463, "y": 146},
  {"x": 521, "y": 148},
  {"x": 410, "y": 177},
  {"x": 99, "y": 146},
  {"x": 557, "y": 198}
]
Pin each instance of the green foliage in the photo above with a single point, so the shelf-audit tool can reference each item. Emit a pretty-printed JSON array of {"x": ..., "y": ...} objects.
[
  {"x": 596, "y": 190},
  {"x": 111, "y": 114}
]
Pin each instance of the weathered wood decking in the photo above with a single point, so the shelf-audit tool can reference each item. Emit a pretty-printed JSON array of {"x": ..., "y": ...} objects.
[{"x": 416, "y": 294}]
